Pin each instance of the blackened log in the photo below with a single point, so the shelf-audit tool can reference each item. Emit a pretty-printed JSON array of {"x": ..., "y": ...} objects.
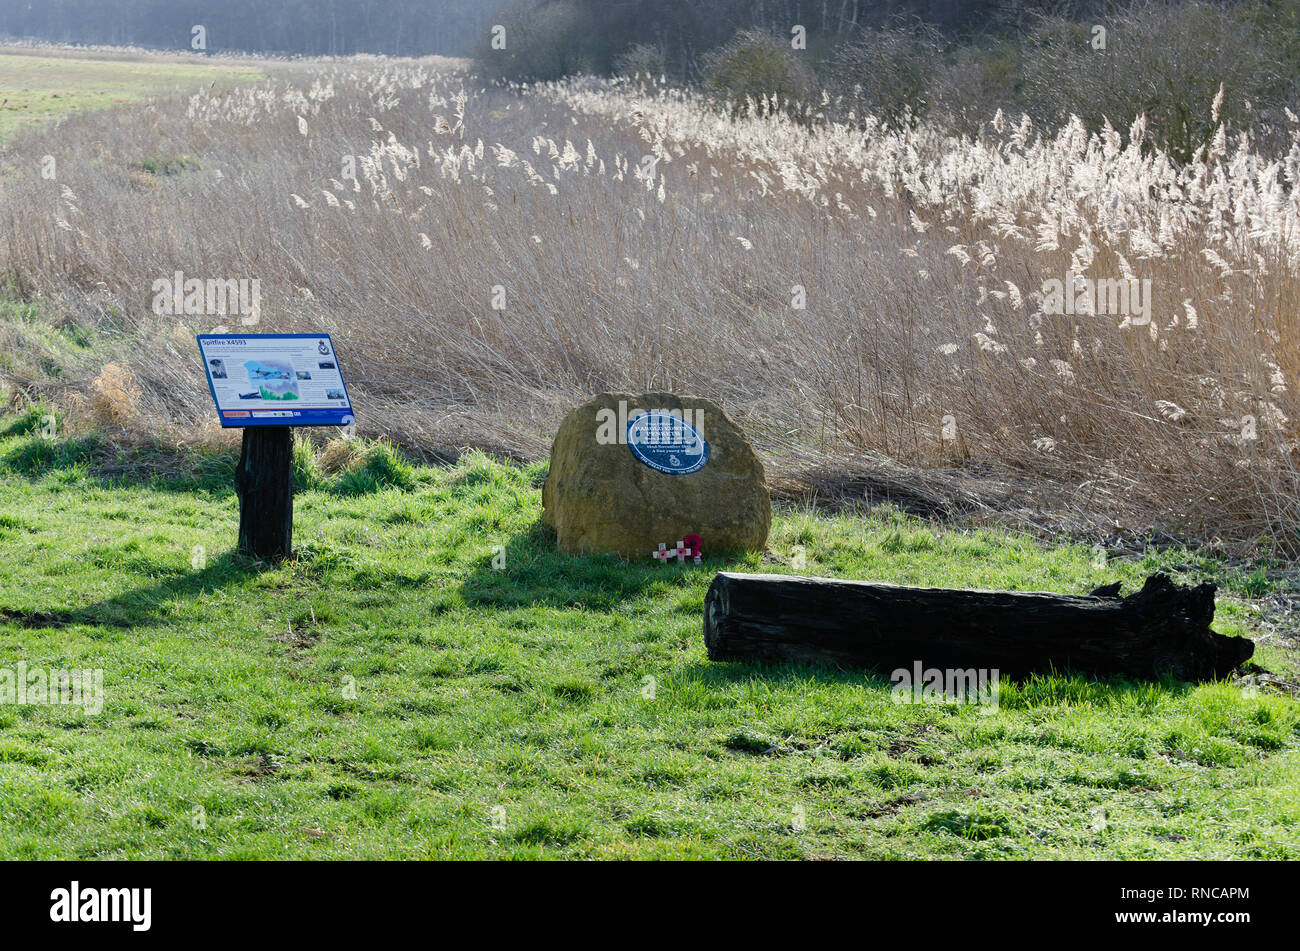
[
  {"x": 264, "y": 484},
  {"x": 1162, "y": 629}
]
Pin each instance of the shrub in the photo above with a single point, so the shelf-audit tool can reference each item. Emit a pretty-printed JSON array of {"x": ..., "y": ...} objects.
[
  {"x": 641, "y": 60},
  {"x": 339, "y": 455},
  {"x": 157, "y": 165},
  {"x": 978, "y": 83},
  {"x": 542, "y": 42},
  {"x": 890, "y": 73},
  {"x": 114, "y": 396},
  {"x": 757, "y": 65},
  {"x": 383, "y": 467},
  {"x": 1166, "y": 63}
]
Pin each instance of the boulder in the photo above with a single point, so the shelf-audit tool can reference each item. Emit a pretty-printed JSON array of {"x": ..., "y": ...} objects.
[{"x": 626, "y": 478}]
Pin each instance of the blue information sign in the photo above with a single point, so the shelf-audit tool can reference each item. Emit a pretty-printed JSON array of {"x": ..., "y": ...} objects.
[
  {"x": 666, "y": 442},
  {"x": 275, "y": 380}
]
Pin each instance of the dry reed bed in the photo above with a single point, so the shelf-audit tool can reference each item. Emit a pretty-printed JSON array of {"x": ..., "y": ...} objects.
[{"x": 923, "y": 361}]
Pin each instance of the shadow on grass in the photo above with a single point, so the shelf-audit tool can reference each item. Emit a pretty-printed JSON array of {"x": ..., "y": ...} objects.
[
  {"x": 141, "y": 607},
  {"x": 728, "y": 673},
  {"x": 93, "y": 457},
  {"x": 1063, "y": 688},
  {"x": 161, "y": 467},
  {"x": 532, "y": 571}
]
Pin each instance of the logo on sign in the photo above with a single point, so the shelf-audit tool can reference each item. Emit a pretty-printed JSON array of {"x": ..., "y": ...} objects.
[{"x": 666, "y": 442}]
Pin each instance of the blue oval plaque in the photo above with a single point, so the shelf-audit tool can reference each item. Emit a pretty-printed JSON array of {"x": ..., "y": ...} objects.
[{"x": 666, "y": 442}]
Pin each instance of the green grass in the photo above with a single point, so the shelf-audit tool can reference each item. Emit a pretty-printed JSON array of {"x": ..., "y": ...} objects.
[
  {"x": 388, "y": 693},
  {"x": 166, "y": 165},
  {"x": 36, "y": 87}
]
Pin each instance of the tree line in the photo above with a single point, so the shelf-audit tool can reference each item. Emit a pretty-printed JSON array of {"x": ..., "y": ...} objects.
[
  {"x": 956, "y": 61},
  {"x": 683, "y": 29},
  {"x": 555, "y": 37},
  {"x": 1187, "y": 67}
]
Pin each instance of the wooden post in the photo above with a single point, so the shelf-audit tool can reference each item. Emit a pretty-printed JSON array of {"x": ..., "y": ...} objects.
[{"x": 264, "y": 484}]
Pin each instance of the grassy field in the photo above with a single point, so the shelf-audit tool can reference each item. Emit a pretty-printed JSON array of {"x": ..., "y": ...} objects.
[
  {"x": 389, "y": 693},
  {"x": 41, "y": 85}
]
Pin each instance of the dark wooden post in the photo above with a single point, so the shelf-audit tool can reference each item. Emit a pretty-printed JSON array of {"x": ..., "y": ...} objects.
[{"x": 264, "y": 484}]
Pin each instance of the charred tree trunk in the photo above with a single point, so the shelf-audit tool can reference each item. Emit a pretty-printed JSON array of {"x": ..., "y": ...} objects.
[
  {"x": 1162, "y": 629},
  {"x": 264, "y": 484}
]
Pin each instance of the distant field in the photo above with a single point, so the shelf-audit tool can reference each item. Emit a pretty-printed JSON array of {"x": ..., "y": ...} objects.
[{"x": 36, "y": 86}]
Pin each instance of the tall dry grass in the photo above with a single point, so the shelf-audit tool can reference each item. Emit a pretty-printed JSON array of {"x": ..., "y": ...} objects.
[{"x": 923, "y": 362}]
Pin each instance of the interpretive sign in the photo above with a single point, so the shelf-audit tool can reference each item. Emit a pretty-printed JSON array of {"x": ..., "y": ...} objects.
[{"x": 275, "y": 380}]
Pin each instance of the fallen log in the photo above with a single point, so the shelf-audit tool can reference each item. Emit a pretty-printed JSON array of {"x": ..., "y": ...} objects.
[{"x": 1162, "y": 629}]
